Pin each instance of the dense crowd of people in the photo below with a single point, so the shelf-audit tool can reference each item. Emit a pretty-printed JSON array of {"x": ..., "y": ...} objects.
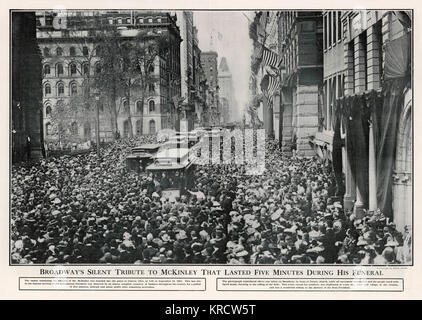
[{"x": 76, "y": 210}]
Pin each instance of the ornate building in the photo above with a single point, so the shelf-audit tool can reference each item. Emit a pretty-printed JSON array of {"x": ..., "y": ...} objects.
[
  {"x": 227, "y": 97},
  {"x": 70, "y": 61},
  {"x": 210, "y": 67},
  {"x": 300, "y": 37}
]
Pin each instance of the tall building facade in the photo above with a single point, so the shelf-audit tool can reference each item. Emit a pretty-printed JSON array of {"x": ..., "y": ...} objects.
[
  {"x": 26, "y": 110},
  {"x": 70, "y": 61},
  {"x": 300, "y": 39},
  {"x": 375, "y": 112},
  {"x": 227, "y": 94},
  {"x": 210, "y": 67}
]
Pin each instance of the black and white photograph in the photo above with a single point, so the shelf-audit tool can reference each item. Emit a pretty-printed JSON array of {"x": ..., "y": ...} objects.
[{"x": 211, "y": 137}]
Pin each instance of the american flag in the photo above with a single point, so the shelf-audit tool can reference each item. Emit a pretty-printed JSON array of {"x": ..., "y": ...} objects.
[
  {"x": 270, "y": 58},
  {"x": 273, "y": 85}
]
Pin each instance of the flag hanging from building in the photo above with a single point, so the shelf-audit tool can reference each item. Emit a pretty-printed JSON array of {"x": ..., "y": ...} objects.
[
  {"x": 271, "y": 58},
  {"x": 269, "y": 85}
]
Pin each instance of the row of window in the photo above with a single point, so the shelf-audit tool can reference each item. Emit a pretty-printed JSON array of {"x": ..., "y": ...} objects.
[
  {"x": 60, "y": 52},
  {"x": 73, "y": 89},
  {"x": 333, "y": 28},
  {"x": 139, "y": 107},
  {"x": 130, "y": 20},
  {"x": 72, "y": 69},
  {"x": 74, "y": 128}
]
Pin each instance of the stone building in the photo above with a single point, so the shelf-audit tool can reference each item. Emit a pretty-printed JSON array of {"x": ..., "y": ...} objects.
[
  {"x": 67, "y": 42},
  {"x": 300, "y": 39},
  {"x": 26, "y": 111},
  {"x": 375, "y": 113},
  {"x": 210, "y": 67},
  {"x": 227, "y": 95}
]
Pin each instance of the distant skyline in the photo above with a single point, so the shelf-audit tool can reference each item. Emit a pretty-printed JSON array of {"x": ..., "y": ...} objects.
[{"x": 230, "y": 39}]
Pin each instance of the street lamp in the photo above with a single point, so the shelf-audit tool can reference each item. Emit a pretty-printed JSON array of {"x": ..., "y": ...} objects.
[{"x": 97, "y": 124}]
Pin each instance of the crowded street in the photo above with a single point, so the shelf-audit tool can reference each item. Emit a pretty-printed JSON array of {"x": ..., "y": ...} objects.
[{"x": 74, "y": 210}]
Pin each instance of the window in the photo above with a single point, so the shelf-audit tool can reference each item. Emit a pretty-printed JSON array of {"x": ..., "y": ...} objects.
[
  {"x": 119, "y": 21},
  {"x": 339, "y": 27},
  {"x": 151, "y": 68},
  {"x": 125, "y": 106},
  {"x": 329, "y": 29},
  {"x": 85, "y": 51},
  {"x": 139, "y": 107},
  {"x": 72, "y": 69},
  {"x": 47, "y": 110},
  {"x": 126, "y": 129},
  {"x": 46, "y": 69},
  {"x": 159, "y": 20},
  {"x": 151, "y": 105},
  {"x": 140, "y": 20},
  {"x": 47, "y": 89},
  {"x": 85, "y": 69},
  {"x": 150, "y": 20},
  {"x": 48, "y": 128},
  {"x": 72, "y": 51},
  {"x": 335, "y": 27},
  {"x": 59, "y": 68},
  {"x": 139, "y": 127},
  {"x": 87, "y": 131},
  {"x": 46, "y": 52},
  {"x": 128, "y": 20},
  {"x": 152, "y": 127},
  {"x": 74, "y": 128},
  {"x": 110, "y": 21},
  {"x": 151, "y": 88},
  {"x": 59, "y": 51},
  {"x": 60, "y": 89},
  {"x": 73, "y": 89}
]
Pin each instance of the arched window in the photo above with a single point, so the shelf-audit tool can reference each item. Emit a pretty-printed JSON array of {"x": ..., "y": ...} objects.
[
  {"x": 151, "y": 105},
  {"x": 59, "y": 69},
  {"x": 46, "y": 69},
  {"x": 85, "y": 69},
  {"x": 46, "y": 52},
  {"x": 126, "y": 106},
  {"x": 47, "y": 89},
  {"x": 60, "y": 89},
  {"x": 74, "y": 128},
  {"x": 151, "y": 88},
  {"x": 59, "y": 51},
  {"x": 85, "y": 51},
  {"x": 48, "y": 128},
  {"x": 140, "y": 20},
  {"x": 139, "y": 107},
  {"x": 73, "y": 89},
  {"x": 152, "y": 127},
  {"x": 72, "y": 51},
  {"x": 139, "y": 127},
  {"x": 72, "y": 69},
  {"x": 126, "y": 128},
  {"x": 48, "y": 110},
  {"x": 87, "y": 131},
  {"x": 151, "y": 68}
]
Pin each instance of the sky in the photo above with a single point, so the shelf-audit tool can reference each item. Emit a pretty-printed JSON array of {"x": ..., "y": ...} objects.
[{"x": 235, "y": 45}]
